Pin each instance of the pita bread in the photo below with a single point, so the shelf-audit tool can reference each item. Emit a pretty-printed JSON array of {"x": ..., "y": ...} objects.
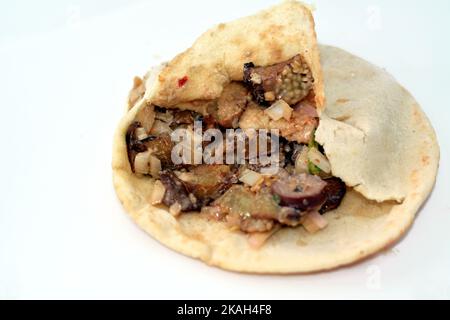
[
  {"x": 218, "y": 56},
  {"x": 367, "y": 123},
  {"x": 361, "y": 123}
]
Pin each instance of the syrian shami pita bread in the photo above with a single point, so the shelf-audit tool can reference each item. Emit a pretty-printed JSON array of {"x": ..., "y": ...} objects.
[{"x": 377, "y": 139}]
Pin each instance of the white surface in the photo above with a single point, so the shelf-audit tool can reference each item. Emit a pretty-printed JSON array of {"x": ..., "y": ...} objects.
[{"x": 65, "y": 69}]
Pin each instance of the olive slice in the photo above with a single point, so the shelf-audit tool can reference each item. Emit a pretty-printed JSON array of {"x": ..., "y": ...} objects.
[
  {"x": 302, "y": 191},
  {"x": 334, "y": 192}
]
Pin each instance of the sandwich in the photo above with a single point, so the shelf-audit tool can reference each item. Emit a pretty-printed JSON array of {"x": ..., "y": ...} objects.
[{"x": 258, "y": 150}]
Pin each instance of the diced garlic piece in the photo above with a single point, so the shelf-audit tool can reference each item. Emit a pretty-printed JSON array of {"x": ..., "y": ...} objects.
[{"x": 319, "y": 160}]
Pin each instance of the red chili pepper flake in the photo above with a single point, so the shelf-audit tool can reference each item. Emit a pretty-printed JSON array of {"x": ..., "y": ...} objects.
[{"x": 182, "y": 81}]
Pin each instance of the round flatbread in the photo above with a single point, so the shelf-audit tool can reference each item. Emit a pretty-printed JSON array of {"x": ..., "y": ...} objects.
[{"x": 365, "y": 109}]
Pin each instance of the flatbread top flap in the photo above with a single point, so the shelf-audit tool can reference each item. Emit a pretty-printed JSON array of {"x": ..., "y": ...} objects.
[
  {"x": 217, "y": 57},
  {"x": 369, "y": 129}
]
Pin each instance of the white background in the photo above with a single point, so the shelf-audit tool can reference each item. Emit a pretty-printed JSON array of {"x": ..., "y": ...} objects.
[{"x": 65, "y": 70}]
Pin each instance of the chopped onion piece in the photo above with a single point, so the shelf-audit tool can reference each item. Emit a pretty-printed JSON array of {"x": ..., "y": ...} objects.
[
  {"x": 164, "y": 116},
  {"x": 185, "y": 176},
  {"x": 319, "y": 160},
  {"x": 280, "y": 109},
  {"x": 301, "y": 161},
  {"x": 256, "y": 78},
  {"x": 141, "y": 134},
  {"x": 251, "y": 178},
  {"x": 257, "y": 239},
  {"x": 155, "y": 166},
  {"x": 313, "y": 222},
  {"x": 175, "y": 209},
  {"x": 158, "y": 192},
  {"x": 160, "y": 127},
  {"x": 270, "y": 171},
  {"x": 141, "y": 162}
]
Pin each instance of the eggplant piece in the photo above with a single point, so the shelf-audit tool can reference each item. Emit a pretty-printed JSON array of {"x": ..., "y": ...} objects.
[
  {"x": 299, "y": 127},
  {"x": 255, "y": 211},
  {"x": 290, "y": 80},
  {"x": 161, "y": 147},
  {"x": 334, "y": 192},
  {"x": 183, "y": 117},
  {"x": 134, "y": 145},
  {"x": 208, "y": 182},
  {"x": 231, "y": 104},
  {"x": 302, "y": 191},
  {"x": 176, "y": 192},
  {"x": 240, "y": 201},
  {"x": 302, "y": 124}
]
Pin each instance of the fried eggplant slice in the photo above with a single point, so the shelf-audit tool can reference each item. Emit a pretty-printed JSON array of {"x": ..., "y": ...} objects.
[
  {"x": 302, "y": 191},
  {"x": 250, "y": 211},
  {"x": 208, "y": 182},
  {"x": 134, "y": 145},
  {"x": 291, "y": 81},
  {"x": 176, "y": 192},
  {"x": 300, "y": 127},
  {"x": 161, "y": 147},
  {"x": 334, "y": 193},
  {"x": 231, "y": 104}
]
